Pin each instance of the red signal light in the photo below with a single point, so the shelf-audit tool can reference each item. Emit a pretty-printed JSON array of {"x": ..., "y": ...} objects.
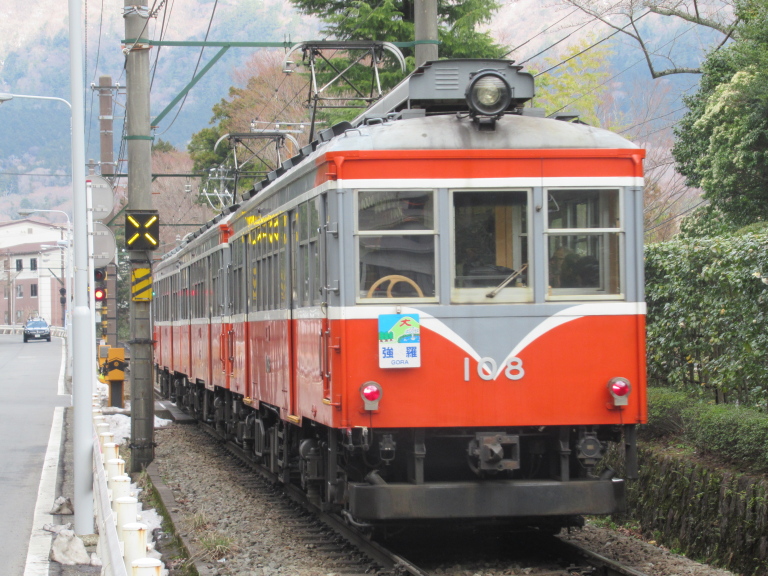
[
  {"x": 619, "y": 389},
  {"x": 371, "y": 393},
  {"x": 100, "y": 294}
]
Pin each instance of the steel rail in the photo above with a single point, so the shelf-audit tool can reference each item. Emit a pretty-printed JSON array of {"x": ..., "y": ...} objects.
[{"x": 396, "y": 565}]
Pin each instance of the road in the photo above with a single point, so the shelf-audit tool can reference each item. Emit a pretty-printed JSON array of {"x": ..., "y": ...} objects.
[{"x": 29, "y": 392}]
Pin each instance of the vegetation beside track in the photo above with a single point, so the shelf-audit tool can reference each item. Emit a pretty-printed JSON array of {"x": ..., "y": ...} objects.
[{"x": 702, "y": 490}]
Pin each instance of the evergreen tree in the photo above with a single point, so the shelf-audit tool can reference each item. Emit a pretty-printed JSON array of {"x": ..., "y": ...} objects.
[
  {"x": 393, "y": 21},
  {"x": 459, "y": 34},
  {"x": 722, "y": 143}
]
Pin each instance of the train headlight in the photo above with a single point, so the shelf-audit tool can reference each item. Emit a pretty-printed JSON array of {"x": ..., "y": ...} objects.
[
  {"x": 488, "y": 94},
  {"x": 371, "y": 393},
  {"x": 619, "y": 389}
]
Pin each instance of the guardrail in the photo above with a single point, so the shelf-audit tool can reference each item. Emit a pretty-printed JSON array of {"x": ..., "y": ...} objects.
[
  {"x": 57, "y": 331},
  {"x": 123, "y": 539}
]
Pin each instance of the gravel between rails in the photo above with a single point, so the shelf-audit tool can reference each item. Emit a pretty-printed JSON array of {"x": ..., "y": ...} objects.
[{"x": 265, "y": 539}]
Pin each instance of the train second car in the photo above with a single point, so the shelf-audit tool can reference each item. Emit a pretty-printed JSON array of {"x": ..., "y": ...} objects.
[{"x": 435, "y": 312}]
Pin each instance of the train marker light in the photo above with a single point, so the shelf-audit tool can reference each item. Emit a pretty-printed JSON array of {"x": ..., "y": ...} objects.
[
  {"x": 371, "y": 393},
  {"x": 488, "y": 94},
  {"x": 619, "y": 389}
]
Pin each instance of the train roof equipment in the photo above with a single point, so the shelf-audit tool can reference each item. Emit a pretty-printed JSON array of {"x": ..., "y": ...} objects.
[{"x": 483, "y": 88}]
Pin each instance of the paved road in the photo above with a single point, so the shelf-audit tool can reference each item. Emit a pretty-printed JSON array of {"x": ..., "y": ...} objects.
[{"x": 29, "y": 376}]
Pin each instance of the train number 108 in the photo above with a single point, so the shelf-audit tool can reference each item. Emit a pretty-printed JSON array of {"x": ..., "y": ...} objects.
[{"x": 487, "y": 367}]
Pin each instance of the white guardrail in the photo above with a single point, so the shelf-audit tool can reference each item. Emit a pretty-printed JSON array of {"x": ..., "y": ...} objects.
[
  {"x": 57, "y": 331},
  {"x": 123, "y": 539}
]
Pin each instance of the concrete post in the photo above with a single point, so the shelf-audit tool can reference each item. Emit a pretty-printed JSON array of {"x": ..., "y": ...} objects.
[
  {"x": 425, "y": 28},
  {"x": 135, "y": 540},
  {"x": 127, "y": 512},
  {"x": 139, "y": 140},
  {"x": 83, "y": 352}
]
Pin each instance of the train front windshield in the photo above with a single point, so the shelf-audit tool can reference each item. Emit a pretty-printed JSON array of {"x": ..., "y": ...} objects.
[{"x": 491, "y": 242}]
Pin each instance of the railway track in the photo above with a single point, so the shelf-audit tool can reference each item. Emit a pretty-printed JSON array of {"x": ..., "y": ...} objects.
[
  {"x": 325, "y": 531},
  {"x": 348, "y": 551}
]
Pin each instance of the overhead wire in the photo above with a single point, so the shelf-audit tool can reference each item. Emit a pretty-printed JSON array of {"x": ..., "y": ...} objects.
[
  {"x": 683, "y": 213},
  {"x": 611, "y": 35},
  {"x": 615, "y": 75},
  {"x": 199, "y": 58},
  {"x": 540, "y": 33},
  {"x": 563, "y": 39},
  {"x": 692, "y": 27},
  {"x": 95, "y": 71},
  {"x": 166, "y": 22}
]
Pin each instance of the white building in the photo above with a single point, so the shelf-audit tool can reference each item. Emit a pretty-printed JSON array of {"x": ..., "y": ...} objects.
[{"x": 32, "y": 272}]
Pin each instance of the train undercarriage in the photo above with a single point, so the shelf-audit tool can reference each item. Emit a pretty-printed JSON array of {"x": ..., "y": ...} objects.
[{"x": 547, "y": 476}]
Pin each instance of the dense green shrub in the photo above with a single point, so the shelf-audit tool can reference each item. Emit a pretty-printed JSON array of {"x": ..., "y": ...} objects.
[
  {"x": 665, "y": 413},
  {"x": 735, "y": 434},
  {"x": 707, "y": 316}
]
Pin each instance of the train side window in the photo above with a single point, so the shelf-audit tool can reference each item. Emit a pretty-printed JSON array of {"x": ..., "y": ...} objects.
[
  {"x": 583, "y": 244},
  {"x": 490, "y": 242},
  {"x": 396, "y": 244}
]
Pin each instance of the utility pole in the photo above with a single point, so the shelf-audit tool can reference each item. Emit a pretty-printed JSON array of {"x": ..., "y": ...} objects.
[
  {"x": 425, "y": 28},
  {"x": 105, "y": 126},
  {"x": 136, "y": 16},
  {"x": 107, "y": 164}
]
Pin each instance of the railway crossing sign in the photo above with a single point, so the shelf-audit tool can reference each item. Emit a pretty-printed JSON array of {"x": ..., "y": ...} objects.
[
  {"x": 142, "y": 230},
  {"x": 141, "y": 285}
]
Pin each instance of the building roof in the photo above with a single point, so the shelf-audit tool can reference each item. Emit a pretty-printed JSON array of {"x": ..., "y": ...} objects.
[
  {"x": 27, "y": 221},
  {"x": 28, "y": 248}
]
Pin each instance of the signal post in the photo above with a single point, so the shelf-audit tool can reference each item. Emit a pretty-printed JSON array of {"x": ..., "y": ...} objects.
[{"x": 139, "y": 144}]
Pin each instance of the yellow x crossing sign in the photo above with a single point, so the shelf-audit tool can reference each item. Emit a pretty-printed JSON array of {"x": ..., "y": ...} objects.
[{"x": 142, "y": 230}]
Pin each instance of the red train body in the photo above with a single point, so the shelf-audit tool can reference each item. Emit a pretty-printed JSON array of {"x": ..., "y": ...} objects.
[{"x": 424, "y": 315}]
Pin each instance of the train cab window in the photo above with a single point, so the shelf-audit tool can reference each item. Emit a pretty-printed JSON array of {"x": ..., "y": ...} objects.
[
  {"x": 396, "y": 244},
  {"x": 583, "y": 244},
  {"x": 490, "y": 241}
]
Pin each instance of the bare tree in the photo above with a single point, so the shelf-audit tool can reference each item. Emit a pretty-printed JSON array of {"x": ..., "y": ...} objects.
[
  {"x": 175, "y": 198},
  {"x": 649, "y": 123},
  {"x": 624, "y": 17}
]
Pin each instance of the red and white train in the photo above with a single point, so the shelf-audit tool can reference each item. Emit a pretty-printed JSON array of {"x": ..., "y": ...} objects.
[{"x": 433, "y": 312}]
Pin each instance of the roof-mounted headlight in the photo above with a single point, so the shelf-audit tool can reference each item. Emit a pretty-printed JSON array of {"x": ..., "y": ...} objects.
[{"x": 488, "y": 94}]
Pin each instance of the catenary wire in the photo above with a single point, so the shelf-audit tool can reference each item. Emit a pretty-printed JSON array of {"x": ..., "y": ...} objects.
[
  {"x": 199, "y": 58},
  {"x": 539, "y": 33},
  {"x": 683, "y": 213}
]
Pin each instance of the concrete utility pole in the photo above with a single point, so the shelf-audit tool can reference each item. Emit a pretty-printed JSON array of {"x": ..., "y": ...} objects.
[
  {"x": 105, "y": 126},
  {"x": 108, "y": 169},
  {"x": 84, "y": 355},
  {"x": 425, "y": 28},
  {"x": 136, "y": 16}
]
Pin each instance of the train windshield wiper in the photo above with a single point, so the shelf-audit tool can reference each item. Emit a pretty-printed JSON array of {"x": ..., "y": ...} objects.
[{"x": 506, "y": 281}]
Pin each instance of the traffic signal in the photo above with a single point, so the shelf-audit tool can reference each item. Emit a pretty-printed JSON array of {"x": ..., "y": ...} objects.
[
  {"x": 99, "y": 284},
  {"x": 63, "y": 295},
  {"x": 142, "y": 230}
]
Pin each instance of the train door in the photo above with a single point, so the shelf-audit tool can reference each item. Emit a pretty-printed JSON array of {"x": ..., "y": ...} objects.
[
  {"x": 308, "y": 314},
  {"x": 221, "y": 325}
]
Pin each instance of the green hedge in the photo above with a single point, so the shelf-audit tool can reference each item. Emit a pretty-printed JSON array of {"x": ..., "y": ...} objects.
[
  {"x": 708, "y": 316},
  {"x": 735, "y": 434}
]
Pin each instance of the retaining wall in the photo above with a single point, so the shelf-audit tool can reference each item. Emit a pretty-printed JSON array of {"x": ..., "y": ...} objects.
[{"x": 713, "y": 515}]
